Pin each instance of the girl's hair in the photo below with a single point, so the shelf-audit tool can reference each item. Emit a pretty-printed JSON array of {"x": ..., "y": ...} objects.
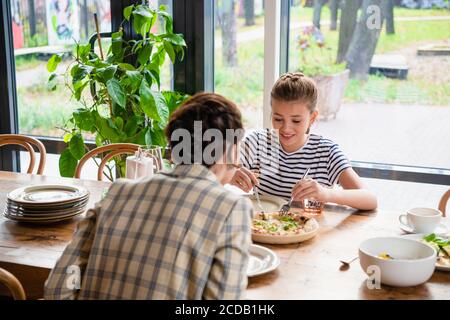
[{"x": 296, "y": 86}]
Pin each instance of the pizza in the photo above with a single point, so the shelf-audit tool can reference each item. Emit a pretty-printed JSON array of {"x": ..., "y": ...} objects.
[{"x": 281, "y": 225}]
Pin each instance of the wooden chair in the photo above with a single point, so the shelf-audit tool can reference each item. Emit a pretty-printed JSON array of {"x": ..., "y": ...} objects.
[
  {"x": 443, "y": 202},
  {"x": 114, "y": 149},
  {"x": 27, "y": 143},
  {"x": 13, "y": 284}
]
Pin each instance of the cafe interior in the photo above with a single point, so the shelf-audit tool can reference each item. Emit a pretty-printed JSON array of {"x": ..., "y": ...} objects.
[{"x": 337, "y": 187}]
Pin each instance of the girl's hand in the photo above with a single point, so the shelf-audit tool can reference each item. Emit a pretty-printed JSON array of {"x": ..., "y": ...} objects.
[
  {"x": 244, "y": 179},
  {"x": 310, "y": 189}
]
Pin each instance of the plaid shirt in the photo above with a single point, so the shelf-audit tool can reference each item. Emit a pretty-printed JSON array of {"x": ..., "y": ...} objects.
[{"x": 179, "y": 235}]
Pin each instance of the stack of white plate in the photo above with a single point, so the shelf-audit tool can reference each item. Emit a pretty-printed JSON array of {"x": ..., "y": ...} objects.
[{"x": 46, "y": 203}]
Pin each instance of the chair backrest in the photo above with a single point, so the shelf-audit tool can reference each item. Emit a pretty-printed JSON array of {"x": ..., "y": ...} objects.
[
  {"x": 113, "y": 150},
  {"x": 27, "y": 143},
  {"x": 443, "y": 202},
  {"x": 13, "y": 284}
]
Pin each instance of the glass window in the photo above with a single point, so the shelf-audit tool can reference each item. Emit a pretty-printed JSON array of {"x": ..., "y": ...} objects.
[
  {"x": 400, "y": 113},
  {"x": 239, "y": 56},
  {"x": 42, "y": 28}
]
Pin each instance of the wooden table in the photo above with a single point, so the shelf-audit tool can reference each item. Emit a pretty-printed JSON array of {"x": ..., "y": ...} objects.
[
  {"x": 31, "y": 251},
  {"x": 310, "y": 270}
]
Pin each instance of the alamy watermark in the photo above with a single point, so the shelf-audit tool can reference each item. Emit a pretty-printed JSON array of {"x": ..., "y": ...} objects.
[
  {"x": 374, "y": 18},
  {"x": 73, "y": 281},
  {"x": 212, "y": 146},
  {"x": 374, "y": 279}
]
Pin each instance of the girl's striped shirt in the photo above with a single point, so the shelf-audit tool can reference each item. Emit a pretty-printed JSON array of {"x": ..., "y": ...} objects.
[{"x": 279, "y": 170}]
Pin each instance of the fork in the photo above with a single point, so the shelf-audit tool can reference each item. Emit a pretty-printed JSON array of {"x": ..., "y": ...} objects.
[
  {"x": 258, "y": 201},
  {"x": 286, "y": 207}
]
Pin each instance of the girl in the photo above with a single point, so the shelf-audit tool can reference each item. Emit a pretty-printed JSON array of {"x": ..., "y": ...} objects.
[{"x": 281, "y": 156}]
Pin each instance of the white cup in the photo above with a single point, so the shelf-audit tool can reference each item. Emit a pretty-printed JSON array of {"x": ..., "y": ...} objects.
[{"x": 421, "y": 220}]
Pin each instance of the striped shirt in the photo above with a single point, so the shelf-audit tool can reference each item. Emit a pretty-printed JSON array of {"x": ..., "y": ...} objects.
[
  {"x": 280, "y": 170},
  {"x": 179, "y": 235}
]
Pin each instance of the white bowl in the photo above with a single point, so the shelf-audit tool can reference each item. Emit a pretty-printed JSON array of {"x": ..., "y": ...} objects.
[{"x": 414, "y": 262}]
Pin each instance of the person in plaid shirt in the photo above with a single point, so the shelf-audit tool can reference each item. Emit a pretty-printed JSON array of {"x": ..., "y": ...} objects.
[{"x": 178, "y": 235}]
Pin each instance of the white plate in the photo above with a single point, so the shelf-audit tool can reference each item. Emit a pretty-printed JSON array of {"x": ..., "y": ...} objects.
[
  {"x": 42, "y": 218},
  {"x": 441, "y": 229},
  {"x": 47, "y": 194},
  {"x": 419, "y": 237},
  {"x": 274, "y": 239},
  {"x": 269, "y": 203},
  {"x": 262, "y": 260}
]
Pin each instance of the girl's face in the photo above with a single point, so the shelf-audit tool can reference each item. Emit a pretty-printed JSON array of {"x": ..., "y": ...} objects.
[{"x": 292, "y": 119}]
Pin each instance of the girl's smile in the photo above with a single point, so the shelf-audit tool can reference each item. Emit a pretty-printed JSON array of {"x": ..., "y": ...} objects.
[{"x": 292, "y": 119}]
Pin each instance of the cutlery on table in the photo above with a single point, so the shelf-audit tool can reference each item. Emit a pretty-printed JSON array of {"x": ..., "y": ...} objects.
[
  {"x": 285, "y": 208},
  {"x": 258, "y": 200},
  {"x": 346, "y": 263}
]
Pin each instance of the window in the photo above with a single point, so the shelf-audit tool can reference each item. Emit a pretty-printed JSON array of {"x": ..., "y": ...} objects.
[
  {"x": 42, "y": 28},
  {"x": 391, "y": 117},
  {"x": 239, "y": 56}
]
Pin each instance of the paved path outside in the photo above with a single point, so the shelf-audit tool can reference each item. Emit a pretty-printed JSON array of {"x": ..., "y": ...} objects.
[{"x": 388, "y": 133}]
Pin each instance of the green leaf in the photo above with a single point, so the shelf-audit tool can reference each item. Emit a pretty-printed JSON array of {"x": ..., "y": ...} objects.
[
  {"x": 144, "y": 54},
  {"x": 155, "y": 76},
  {"x": 118, "y": 121},
  {"x": 154, "y": 104},
  {"x": 83, "y": 51},
  {"x": 132, "y": 125},
  {"x": 127, "y": 66},
  {"x": 116, "y": 44},
  {"x": 159, "y": 57},
  {"x": 147, "y": 102},
  {"x": 138, "y": 21},
  {"x": 158, "y": 136},
  {"x": 107, "y": 73},
  {"x": 167, "y": 18},
  {"x": 174, "y": 38},
  {"x": 169, "y": 49},
  {"x": 174, "y": 99},
  {"x": 79, "y": 72},
  {"x": 143, "y": 11},
  {"x": 84, "y": 120},
  {"x": 180, "y": 51},
  {"x": 98, "y": 140},
  {"x": 78, "y": 89},
  {"x": 67, "y": 164},
  {"x": 52, "y": 82},
  {"x": 161, "y": 108},
  {"x": 76, "y": 146},
  {"x": 53, "y": 62},
  {"x": 135, "y": 79},
  {"x": 106, "y": 128},
  {"x": 430, "y": 237},
  {"x": 139, "y": 138},
  {"x": 116, "y": 92},
  {"x": 127, "y": 12},
  {"x": 67, "y": 137}
]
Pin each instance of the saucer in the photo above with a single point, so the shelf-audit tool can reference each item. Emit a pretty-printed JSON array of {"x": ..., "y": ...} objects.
[{"x": 441, "y": 229}]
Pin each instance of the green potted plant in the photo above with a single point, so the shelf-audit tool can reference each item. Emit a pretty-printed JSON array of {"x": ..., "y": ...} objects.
[
  {"x": 126, "y": 102},
  {"x": 316, "y": 61}
]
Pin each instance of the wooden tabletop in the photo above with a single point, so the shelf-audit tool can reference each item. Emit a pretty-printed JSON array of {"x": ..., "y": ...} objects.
[
  {"x": 30, "y": 251},
  {"x": 309, "y": 270}
]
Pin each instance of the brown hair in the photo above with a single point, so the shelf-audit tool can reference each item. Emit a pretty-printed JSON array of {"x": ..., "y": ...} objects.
[
  {"x": 296, "y": 86},
  {"x": 213, "y": 110}
]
